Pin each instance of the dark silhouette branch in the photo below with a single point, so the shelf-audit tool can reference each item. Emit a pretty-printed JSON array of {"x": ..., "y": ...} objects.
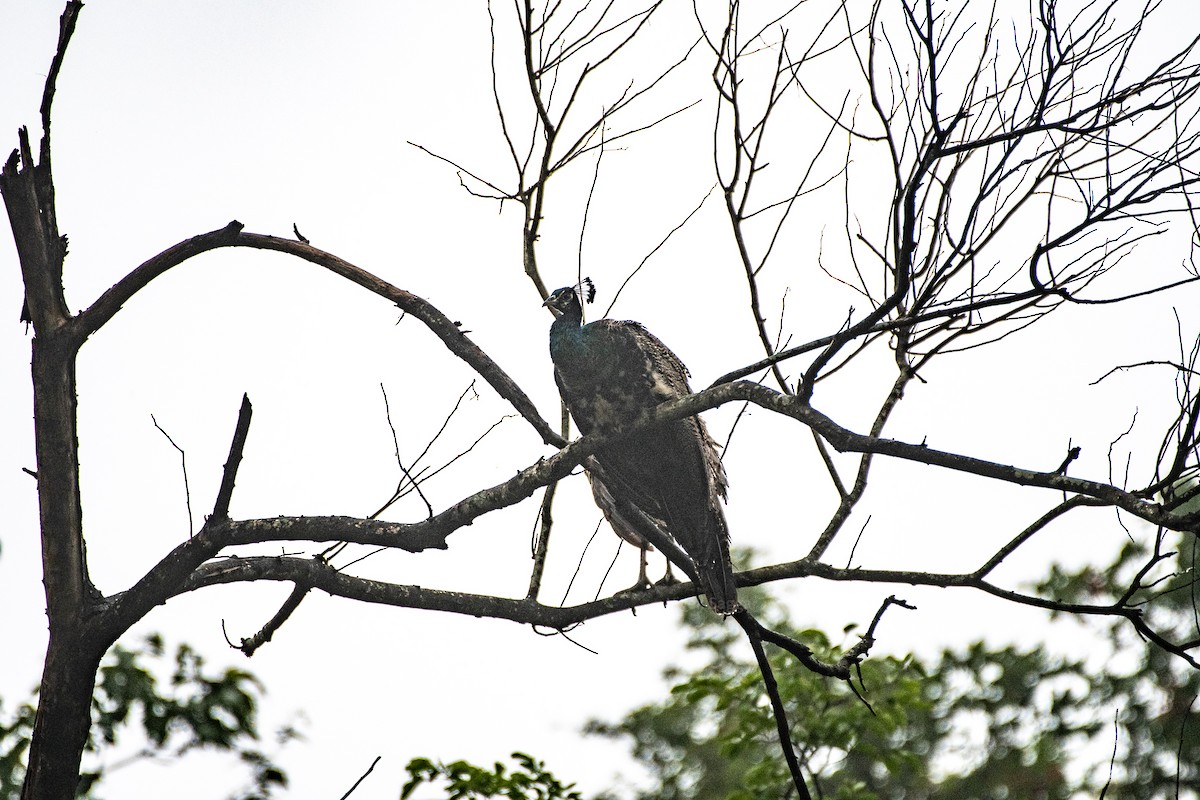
[
  {"x": 249, "y": 646},
  {"x": 164, "y": 579},
  {"x": 754, "y": 633},
  {"x": 317, "y": 574},
  {"x": 361, "y": 778},
  {"x": 849, "y": 659},
  {"x": 541, "y": 542},
  {"x": 66, "y": 27},
  {"x": 229, "y": 476},
  {"x": 846, "y": 440},
  {"x": 108, "y": 304},
  {"x": 73, "y": 654},
  {"x": 1038, "y": 525}
]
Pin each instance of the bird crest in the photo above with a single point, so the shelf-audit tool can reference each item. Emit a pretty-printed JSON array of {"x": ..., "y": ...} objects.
[{"x": 587, "y": 290}]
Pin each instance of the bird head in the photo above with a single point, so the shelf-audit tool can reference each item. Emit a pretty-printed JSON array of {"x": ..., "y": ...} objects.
[{"x": 561, "y": 300}]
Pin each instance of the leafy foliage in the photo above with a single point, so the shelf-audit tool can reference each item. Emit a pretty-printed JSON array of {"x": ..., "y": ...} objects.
[
  {"x": 15, "y": 731},
  {"x": 980, "y": 723},
  {"x": 465, "y": 781},
  {"x": 714, "y": 737},
  {"x": 977, "y": 723},
  {"x": 1158, "y": 734},
  {"x": 197, "y": 709}
]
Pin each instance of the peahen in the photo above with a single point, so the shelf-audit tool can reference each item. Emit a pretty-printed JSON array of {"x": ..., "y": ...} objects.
[{"x": 610, "y": 373}]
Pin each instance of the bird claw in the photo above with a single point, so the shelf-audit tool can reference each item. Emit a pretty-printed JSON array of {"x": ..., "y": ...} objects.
[{"x": 637, "y": 588}]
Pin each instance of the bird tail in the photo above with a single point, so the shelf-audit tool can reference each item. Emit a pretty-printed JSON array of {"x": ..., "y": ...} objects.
[{"x": 715, "y": 565}]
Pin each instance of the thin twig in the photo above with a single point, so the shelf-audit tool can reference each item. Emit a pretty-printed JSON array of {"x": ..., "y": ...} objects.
[
  {"x": 187, "y": 493},
  {"x": 1113, "y": 760},
  {"x": 400, "y": 463},
  {"x": 541, "y": 541},
  {"x": 361, "y": 778}
]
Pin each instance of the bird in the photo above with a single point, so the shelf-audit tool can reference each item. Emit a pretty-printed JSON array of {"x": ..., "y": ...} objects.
[{"x": 613, "y": 373}]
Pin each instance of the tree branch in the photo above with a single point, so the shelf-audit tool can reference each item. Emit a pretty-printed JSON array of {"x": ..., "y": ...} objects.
[
  {"x": 229, "y": 476},
  {"x": 108, "y": 304},
  {"x": 754, "y": 633},
  {"x": 162, "y": 580},
  {"x": 249, "y": 646}
]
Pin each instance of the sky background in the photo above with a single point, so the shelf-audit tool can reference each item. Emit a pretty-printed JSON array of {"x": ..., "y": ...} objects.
[{"x": 171, "y": 119}]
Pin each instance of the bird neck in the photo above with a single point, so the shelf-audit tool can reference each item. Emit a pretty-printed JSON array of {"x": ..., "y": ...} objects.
[
  {"x": 571, "y": 316},
  {"x": 567, "y": 336}
]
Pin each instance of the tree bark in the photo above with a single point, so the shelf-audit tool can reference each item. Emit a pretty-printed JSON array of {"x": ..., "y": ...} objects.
[
  {"x": 78, "y": 636},
  {"x": 63, "y": 718},
  {"x": 73, "y": 656}
]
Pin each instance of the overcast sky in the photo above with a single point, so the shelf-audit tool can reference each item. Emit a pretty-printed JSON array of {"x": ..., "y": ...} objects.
[{"x": 172, "y": 119}]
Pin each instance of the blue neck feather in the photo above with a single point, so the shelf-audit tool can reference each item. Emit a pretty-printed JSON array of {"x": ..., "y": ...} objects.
[{"x": 567, "y": 336}]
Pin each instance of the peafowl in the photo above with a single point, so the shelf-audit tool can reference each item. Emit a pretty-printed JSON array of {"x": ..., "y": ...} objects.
[{"x": 610, "y": 373}]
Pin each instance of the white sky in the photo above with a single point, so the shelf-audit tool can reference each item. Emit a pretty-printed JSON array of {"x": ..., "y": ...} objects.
[{"x": 173, "y": 118}]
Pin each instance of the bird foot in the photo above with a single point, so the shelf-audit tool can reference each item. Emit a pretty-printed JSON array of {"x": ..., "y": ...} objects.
[
  {"x": 668, "y": 580},
  {"x": 638, "y": 587}
]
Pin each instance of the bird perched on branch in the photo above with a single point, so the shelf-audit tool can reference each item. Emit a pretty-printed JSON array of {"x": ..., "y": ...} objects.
[{"x": 611, "y": 374}]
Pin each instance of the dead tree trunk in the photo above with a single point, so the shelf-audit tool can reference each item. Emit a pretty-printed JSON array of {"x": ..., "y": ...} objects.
[{"x": 76, "y": 644}]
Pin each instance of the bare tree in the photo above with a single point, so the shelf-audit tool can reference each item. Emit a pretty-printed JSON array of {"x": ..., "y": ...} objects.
[{"x": 981, "y": 168}]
